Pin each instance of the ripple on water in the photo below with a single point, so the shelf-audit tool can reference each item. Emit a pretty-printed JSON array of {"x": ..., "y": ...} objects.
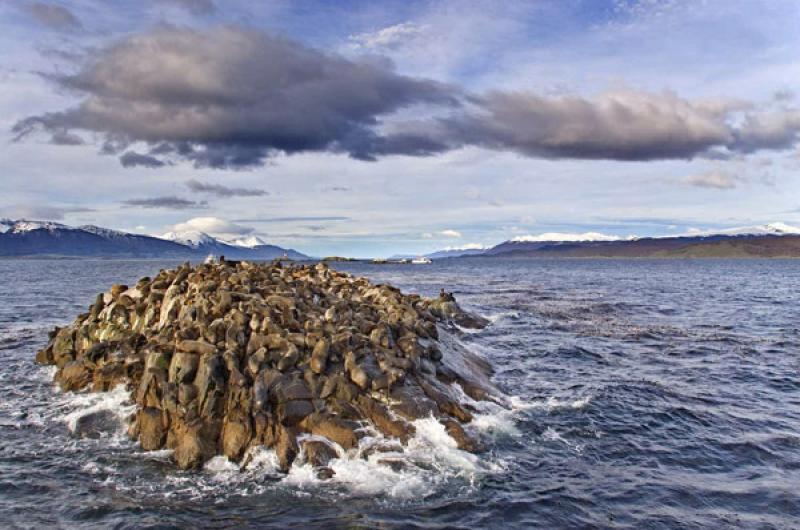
[{"x": 642, "y": 394}]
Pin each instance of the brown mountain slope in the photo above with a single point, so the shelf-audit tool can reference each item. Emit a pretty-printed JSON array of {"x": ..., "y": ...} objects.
[{"x": 769, "y": 246}]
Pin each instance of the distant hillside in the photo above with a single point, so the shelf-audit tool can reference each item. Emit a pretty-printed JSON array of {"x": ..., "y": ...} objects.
[
  {"x": 714, "y": 246},
  {"x": 44, "y": 238}
]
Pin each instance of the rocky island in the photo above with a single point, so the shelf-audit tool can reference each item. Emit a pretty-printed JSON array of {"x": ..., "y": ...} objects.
[{"x": 223, "y": 357}]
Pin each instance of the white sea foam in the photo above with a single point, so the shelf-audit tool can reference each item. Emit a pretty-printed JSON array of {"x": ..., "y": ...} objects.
[
  {"x": 116, "y": 401},
  {"x": 493, "y": 318},
  {"x": 550, "y": 434}
]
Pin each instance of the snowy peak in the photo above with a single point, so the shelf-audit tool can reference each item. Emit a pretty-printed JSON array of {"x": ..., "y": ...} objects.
[
  {"x": 564, "y": 237},
  {"x": 103, "y": 232},
  {"x": 24, "y": 225},
  {"x": 245, "y": 242},
  {"x": 190, "y": 238},
  {"x": 777, "y": 229}
]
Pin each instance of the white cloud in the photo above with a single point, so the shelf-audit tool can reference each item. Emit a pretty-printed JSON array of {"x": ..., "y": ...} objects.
[
  {"x": 426, "y": 235},
  {"x": 450, "y": 233},
  {"x": 714, "y": 179},
  {"x": 211, "y": 225},
  {"x": 469, "y": 246},
  {"x": 389, "y": 37},
  {"x": 566, "y": 236}
]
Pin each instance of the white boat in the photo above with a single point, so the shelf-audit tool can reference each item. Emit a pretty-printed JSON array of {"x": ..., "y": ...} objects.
[
  {"x": 422, "y": 260},
  {"x": 211, "y": 258}
]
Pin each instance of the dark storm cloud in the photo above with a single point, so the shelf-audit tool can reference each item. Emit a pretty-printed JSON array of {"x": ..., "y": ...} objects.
[
  {"x": 231, "y": 98},
  {"x": 53, "y": 16},
  {"x": 223, "y": 191},
  {"x": 249, "y": 95},
  {"x": 133, "y": 159},
  {"x": 173, "y": 203}
]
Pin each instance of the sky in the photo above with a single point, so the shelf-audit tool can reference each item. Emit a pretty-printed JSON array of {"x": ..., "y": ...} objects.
[{"x": 377, "y": 128}]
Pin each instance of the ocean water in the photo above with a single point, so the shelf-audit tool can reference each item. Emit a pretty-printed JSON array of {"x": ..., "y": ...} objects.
[{"x": 641, "y": 394}]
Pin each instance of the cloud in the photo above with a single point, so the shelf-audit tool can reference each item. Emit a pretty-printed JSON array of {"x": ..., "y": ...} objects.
[
  {"x": 450, "y": 233},
  {"x": 468, "y": 246},
  {"x": 773, "y": 129},
  {"x": 620, "y": 125},
  {"x": 565, "y": 236},
  {"x": 223, "y": 191},
  {"x": 231, "y": 98},
  {"x": 171, "y": 202},
  {"x": 53, "y": 16},
  {"x": 65, "y": 138},
  {"x": 40, "y": 211},
  {"x": 713, "y": 179},
  {"x": 213, "y": 226},
  {"x": 196, "y": 7},
  {"x": 386, "y": 38},
  {"x": 426, "y": 235},
  {"x": 292, "y": 219},
  {"x": 133, "y": 159},
  {"x": 249, "y": 95},
  {"x": 338, "y": 188}
]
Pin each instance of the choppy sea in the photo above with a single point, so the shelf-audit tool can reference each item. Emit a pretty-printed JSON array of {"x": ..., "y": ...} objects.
[{"x": 641, "y": 394}]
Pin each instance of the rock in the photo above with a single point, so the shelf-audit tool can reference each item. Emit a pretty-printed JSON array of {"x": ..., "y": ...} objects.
[
  {"x": 196, "y": 346},
  {"x": 293, "y": 411},
  {"x": 319, "y": 357},
  {"x": 332, "y": 428},
  {"x": 236, "y": 435},
  {"x": 96, "y": 424},
  {"x": 318, "y": 453},
  {"x": 152, "y": 430},
  {"x": 448, "y": 309},
  {"x": 383, "y": 421},
  {"x": 74, "y": 376},
  {"x": 194, "y": 445},
  {"x": 463, "y": 440},
  {"x": 286, "y": 448},
  {"x": 183, "y": 367},
  {"x": 222, "y": 357}
]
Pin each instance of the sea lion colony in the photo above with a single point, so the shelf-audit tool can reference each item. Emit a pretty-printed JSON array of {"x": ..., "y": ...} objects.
[{"x": 222, "y": 357}]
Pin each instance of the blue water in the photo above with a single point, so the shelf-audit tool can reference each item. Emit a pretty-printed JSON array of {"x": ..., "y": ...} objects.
[{"x": 646, "y": 394}]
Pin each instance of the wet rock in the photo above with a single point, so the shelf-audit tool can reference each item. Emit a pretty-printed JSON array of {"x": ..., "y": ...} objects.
[
  {"x": 73, "y": 376},
  {"x": 318, "y": 453},
  {"x": 195, "y": 443},
  {"x": 332, "y": 428},
  {"x": 96, "y": 424},
  {"x": 464, "y": 441},
  {"x": 236, "y": 435},
  {"x": 152, "y": 428},
  {"x": 446, "y": 308},
  {"x": 286, "y": 447},
  {"x": 224, "y": 357}
]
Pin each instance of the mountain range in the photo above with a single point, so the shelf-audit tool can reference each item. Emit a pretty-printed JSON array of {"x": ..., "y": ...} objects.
[
  {"x": 46, "y": 238},
  {"x": 775, "y": 240}
]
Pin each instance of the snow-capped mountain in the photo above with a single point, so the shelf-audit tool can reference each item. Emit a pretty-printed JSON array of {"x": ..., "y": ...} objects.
[
  {"x": 31, "y": 238},
  {"x": 251, "y": 247},
  {"x": 247, "y": 242},
  {"x": 776, "y": 229},
  {"x": 23, "y": 225},
  {"x": 564, "y": 237},
  {"x": 190, "y": 238}
]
